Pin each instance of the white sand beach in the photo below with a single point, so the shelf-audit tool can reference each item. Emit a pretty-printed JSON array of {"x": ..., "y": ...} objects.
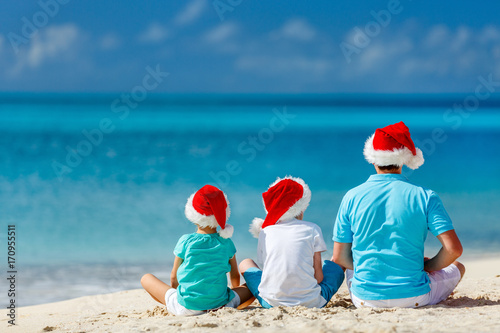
[{"x": 474, "y": 307}]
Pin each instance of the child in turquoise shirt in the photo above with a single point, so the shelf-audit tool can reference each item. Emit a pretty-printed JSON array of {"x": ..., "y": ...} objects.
[{"x": 202, "y": 261}]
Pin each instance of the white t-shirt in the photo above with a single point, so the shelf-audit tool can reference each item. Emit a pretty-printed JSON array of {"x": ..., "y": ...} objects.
[{"x": 286, "y": 252}]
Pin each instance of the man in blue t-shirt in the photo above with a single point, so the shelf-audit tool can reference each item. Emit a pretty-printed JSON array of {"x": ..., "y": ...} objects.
[{"x": 381, "y": 228}]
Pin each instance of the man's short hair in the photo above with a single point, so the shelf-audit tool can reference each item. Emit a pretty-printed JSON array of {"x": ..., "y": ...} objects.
[{"x": 388, "y": 167}]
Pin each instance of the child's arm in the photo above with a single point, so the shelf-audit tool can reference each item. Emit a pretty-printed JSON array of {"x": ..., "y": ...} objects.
[
  {"x": 318, "y": 267},
  {"x": 234, "y": 274},
  {"x": 173, "y": 275}
]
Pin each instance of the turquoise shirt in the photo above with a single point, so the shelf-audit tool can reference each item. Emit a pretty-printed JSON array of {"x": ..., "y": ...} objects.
[
  {"x": 202, "y": 275},
  {"x": 386, "y": 219}
]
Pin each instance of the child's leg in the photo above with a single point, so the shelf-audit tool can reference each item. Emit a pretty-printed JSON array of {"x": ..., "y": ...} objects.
[
  {"x": 252, "y": 274},
  {"x": 155, "y": 287},
  {"x": 246, "y": 297},
  {"x": 333, "y": 276},
  {"x": 246, "y": 264}
]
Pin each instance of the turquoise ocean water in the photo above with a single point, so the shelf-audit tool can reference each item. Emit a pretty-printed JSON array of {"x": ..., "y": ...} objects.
[{"x": 97, "y": 190}]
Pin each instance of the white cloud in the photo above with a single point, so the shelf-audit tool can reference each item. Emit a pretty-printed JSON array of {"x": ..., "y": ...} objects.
[
  {"x": 489, "y": 34},
  {"x": 190, "y": 13},
  {"x": 1, "y": 44},
  {"x": 380, "y": 53},
  {"x": 221, "y": 33},
  {"x": 371, "y": 58},
  {"x": 496, "y": 52},
  {"x": 399, "y": 58},
  {"x": 110, "y": 41},
  {"x": 466, "y": 60},
  {"x": 435, "y": 58},
  {"x": 54, "y": 42},
  {"x": 411, "y": 66},
  {"x": 295, "y": 29},
  {"x": 155, "y": 33},
  {"x": 266, "y": 57},
  {"x": 461, "y": 38},
  {"x": 284, "y": 64},
  {"x": 437, "y": 35}
]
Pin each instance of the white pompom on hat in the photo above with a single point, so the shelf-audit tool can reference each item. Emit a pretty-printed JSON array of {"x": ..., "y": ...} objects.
[
  {"x": 209, "y": 207},
  {"x": 285, "y": 199},
  {"x": 392, "y": 145}
]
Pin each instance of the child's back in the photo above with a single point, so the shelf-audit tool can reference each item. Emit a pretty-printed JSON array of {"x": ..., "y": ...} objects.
[
  {"x": 286, "y": 251},
  {"x": 202, "y": 276}
]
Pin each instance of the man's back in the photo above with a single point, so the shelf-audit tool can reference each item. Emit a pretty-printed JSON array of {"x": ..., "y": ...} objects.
[{"x": 386, "y": 219}]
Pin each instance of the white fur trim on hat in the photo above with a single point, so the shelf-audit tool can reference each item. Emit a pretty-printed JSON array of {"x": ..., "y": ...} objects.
[
  {"x": 200, "y": 219},
  {"x": 227, "y": 232},
  {"x": 397, "y": 156},
  {"x": 256, "y": 227},
  {"x": 299, "y": 207}
]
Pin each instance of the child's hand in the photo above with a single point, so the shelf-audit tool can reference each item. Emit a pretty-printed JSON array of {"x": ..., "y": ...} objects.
[{"x": 234, "y": 274}]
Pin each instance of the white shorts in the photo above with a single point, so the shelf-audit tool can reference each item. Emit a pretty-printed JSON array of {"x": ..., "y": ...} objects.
[
  {"x": 177, "y": 309},
  {"x": 442, "y": 284}
]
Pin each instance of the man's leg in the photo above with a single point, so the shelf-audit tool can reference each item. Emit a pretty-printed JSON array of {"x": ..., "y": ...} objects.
[
  {"x": 444, "y": 281},
  {"x": 349, "y": 273},
  {"x": 460, "y": 267}
]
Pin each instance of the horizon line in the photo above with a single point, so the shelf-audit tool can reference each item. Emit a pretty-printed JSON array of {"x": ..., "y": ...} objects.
[{"x": 251, "y": 99}]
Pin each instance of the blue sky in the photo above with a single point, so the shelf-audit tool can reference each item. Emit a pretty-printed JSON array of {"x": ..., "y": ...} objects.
[{"x": 252, "y": 47}]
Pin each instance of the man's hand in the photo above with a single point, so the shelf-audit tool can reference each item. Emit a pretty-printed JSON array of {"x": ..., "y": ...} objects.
[
  {"x": 451, "y": 250},
  {"x": 425, "y": 260}
]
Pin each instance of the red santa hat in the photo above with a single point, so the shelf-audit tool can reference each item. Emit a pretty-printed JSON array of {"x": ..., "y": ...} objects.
[
  {"x": 392, "y": 145},
  {"x": 208, "y": 207},
  {"x": 285, "y": 199}
]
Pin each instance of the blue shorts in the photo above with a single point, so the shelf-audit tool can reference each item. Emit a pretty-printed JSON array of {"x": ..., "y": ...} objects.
[{"x": 333, "y": 276}]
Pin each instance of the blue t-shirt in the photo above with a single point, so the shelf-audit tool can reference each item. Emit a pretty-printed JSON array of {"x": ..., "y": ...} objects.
[
  {"x": 202, "y": 275},
  {"x": 386, "y": 219}
]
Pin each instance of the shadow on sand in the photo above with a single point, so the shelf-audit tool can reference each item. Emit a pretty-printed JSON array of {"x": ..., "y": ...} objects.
[{"x": 465, "y": 301}]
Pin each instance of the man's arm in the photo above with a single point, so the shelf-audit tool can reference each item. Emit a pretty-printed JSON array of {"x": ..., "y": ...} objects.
[
  {"x": 451, "y": 250},
  {"x": 342, "y": 255},
  {"x": 173, "y": 275}
]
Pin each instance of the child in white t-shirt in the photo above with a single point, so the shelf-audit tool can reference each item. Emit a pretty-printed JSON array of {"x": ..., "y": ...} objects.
[
  {"x": 202, "y": 261},
  {"x": 289, "y": 250}
]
